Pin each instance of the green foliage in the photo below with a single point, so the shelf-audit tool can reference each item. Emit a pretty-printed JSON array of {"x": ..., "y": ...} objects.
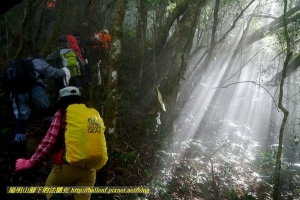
[
  {"x": 128, "y": 196},
  {"x": 289, "y": 181},
  {"x": 265, "y": 162},
  {"x": 248, "y": 197},
  {"x": 256, "y": 23},
  {"x": 225, "y": 2},
  {"x": 226, "y": 157},
  {"x": 161, "y": 190},
  {"x": 155, "y": 3},
  {"x": 126, "y": 100},
  {"x": 126, "y": 157},
  {"x": 5, "y": 131},
  {"x": 268, "y": 158},
  {"x": 128, "y": 34},
  {"x": 294, "y": 34},
  {"x": 233, "y": 195},
  {"x": 171, "y": 7},
  {"x": 146, "y": 123},
  {"x": 147, "y": 172},
  {"x": 296, "y": 140}
]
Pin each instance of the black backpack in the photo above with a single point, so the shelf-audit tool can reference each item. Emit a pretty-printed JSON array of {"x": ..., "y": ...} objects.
[
  {"x": 81, "y": 45},
  {"x": 19, "y": 76}
]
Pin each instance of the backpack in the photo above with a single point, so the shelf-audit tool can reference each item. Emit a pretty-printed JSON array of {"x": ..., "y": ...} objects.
[
  {"x": 19, "y": 76},
  {"x": 85, "y": 144},
  {"x": 73, "y": 44},
  {"x": 68, "y": 57}
]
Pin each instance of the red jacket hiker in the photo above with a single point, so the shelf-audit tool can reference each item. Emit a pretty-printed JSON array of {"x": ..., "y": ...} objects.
[{"x": 73, "y": 44}]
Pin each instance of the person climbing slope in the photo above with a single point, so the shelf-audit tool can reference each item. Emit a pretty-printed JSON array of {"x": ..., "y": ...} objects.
[
  {"x": 74, "y": 165},
  {"x": 36, "y": 96}
]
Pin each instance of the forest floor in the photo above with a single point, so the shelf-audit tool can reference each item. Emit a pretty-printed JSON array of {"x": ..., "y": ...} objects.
[{"x": 9, "y": 152}]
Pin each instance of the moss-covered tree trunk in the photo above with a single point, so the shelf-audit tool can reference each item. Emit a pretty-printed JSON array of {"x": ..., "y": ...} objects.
[
  {"x": 56, "y": 28},
  {"x": 110, "y": 110},
  {"x": 173, "y": 60}
]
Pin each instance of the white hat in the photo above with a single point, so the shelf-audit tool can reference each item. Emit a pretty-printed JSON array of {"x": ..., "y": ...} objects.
[
  {"x": 105, "y": 31},
  {"x": 69, "y": 91}
]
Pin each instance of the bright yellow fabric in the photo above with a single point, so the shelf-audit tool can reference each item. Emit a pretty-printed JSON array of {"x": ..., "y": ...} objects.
[
  {"x": 68, "y": 175},
  {"x": 84, "y": 137}
]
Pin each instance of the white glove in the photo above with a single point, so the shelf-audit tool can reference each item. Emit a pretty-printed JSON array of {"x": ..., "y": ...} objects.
[
  {"x": 67, "y": 77},
  {"x": 96, "y": 36}
]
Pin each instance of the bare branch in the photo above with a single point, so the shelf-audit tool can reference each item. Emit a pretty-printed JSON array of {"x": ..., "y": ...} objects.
[
  {"x": 265, "y": 16},
  {"x": 241, "y": 67},
  {"x": 255, "y": 83}
]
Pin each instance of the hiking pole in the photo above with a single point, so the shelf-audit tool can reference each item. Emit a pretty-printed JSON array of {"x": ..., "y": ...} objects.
[{"x": 98, "y": 72}]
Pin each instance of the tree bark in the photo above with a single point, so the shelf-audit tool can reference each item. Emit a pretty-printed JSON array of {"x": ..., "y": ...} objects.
[
  {"x": 213, "y": 33},
  {"x": 39, "y": 27},
  {"x": 272, "y": 26},
  {"x": 171, "y": 64},
  {"x": 56, "y": 28},
  {"x": 141, "y": 36},
  {"x": 291, "y": 67},
  {"x": 276, "y": 194},
  {"x": 163, "y": 31},
  {"x": 110, "y": 110},
  {"x": 30, "y": 10}
]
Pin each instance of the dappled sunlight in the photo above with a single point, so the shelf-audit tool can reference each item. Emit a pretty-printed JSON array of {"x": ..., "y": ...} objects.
[{"x": 227, "y": 117}]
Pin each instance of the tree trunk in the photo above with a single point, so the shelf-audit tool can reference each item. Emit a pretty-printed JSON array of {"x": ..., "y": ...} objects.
[
  {"x": 110, "y": 112},
  {"x": 171, "y": 64},
  {"x": 276, "y": 194},
  {"x": 163, "y": 31},
  {"x": 291, "y": 67},
  {"x": 30, "y": 10},
  {"x": 272, "y": 26},
  {"x": 213, "y": 33},
  {"x": 39, "y": 27},
  {"x": 56, "y": 28},
  {"x": 141, "y": 36}
]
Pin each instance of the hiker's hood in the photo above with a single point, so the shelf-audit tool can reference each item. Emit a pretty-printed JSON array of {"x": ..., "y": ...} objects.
[{"x": 72, "y": 42}]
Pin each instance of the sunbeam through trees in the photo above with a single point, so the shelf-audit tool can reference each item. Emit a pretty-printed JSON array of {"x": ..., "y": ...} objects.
[{"x": 200, "y": 98}]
